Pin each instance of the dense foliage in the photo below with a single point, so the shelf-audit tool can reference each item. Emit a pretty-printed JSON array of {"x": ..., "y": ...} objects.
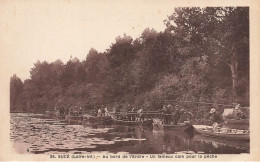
[{"x": 203, "y": 55}]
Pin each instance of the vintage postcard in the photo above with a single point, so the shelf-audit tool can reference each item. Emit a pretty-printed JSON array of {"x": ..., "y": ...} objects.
[{"x": 129, "y": 80}]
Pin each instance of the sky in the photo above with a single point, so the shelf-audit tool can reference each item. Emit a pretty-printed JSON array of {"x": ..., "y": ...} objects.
[{"x": 49, "y": 30}]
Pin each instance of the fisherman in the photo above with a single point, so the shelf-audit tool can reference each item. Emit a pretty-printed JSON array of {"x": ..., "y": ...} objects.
[
  {"x": 237, "y": 112},
  {"x": 134, "y": 114},
  {"x": 168, "y": 114},
  {"x": 163, "y": 113},
  {"x": 129, "y": 115},
  {"x": 140, "y": 114},
  {"x": 80, "y": 111},
  {"x": 106, "y": 112},
  {"x": 117, "y": 112},
  {"x": 103, "y": 110},
  {"x": 177, "y": 114},
  {"x": 216, "y": 118},
  {"x": 99, "y": 113}
]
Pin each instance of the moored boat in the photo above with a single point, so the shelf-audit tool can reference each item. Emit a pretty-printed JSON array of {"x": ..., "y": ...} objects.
[
  {"x": 240, "y": 121},
  {"x": 158, "y": 124},
  {"x": 222, "y": 141},
  {"x": 127, "y": 122},
  {"x": 178, "y": 127},
  {"x": 223, "y": 132},
  {"x": 74, "y": 117}
]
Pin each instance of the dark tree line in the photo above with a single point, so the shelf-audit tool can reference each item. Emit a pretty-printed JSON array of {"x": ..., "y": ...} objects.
[{"x": 203, "y": 55}]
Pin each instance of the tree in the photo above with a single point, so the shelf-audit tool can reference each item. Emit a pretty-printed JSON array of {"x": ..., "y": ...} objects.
[
  {"x": 221, "y": 33},
  {"x": 95, "y": 66},
  {"x": 16, "y": 88}
]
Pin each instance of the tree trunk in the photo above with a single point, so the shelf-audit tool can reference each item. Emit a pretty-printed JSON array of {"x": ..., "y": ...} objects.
[{"x": 233, "y": 66}]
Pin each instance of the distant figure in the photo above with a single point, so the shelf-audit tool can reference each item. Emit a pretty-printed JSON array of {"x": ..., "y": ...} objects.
[
  {"x": 57, "y": 112},
  {"x": 177, "y": 114},
  {"x": 103, "y": 110},
  {"x": 163, "y": 113},
  {"x": 99, "y": 112},
  {"x": 106, "y": 112},
  {"x": 134, "y": 114},
  {"x": 168, "y": 114},
  {"x": 237, "y": 112},
  {"x": 129, "y": 113},
  {"x": 117, "y": 112},
  {"x": 140, "y": 114},
  {"x": 61, "y": 110},
  {"x": 66, "y": 110},
  {"x": 216, "y": 118},
  {"x": 80, "y": 111}
]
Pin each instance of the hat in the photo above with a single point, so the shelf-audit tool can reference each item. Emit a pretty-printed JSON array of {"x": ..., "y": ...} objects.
[
  {"x": 212, "y": 110},
  {"x": 237, "y": 106}
]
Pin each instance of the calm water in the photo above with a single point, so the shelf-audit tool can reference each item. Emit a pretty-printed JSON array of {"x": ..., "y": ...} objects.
[{"x": 34, "y": 134}]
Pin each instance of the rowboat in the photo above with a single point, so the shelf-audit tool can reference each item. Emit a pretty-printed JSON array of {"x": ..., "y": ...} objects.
[
  {"x": 158, "y": 124},
  {"x": 127, "y": 122},
  {"x": 74, "y": 117},
  {"x": 178, "y": 127},
  {"x": 148, "y": 123},
  {"x": 223, "y": 132},
  {"x": 240, "y": 121},
  {"x": 222, "y": 141}
]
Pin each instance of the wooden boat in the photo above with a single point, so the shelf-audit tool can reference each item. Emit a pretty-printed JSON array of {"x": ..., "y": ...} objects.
[
  {"x": 223, "y": 132},
  {"x": 127, "y": 122},
  {"x": 74, "y": 117},
  {"x": 240, "y": 121},
  {"x": 158, "y": 124},
  {"x": 178, "y": 127},
  {"x": 148, "y": 123},
  {"x": 222, "y": 141}
]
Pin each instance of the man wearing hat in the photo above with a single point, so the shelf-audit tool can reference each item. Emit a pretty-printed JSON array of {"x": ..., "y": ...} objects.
[
  {"x": 216, "y": 118},
  {"x": 237, "y": 112}
]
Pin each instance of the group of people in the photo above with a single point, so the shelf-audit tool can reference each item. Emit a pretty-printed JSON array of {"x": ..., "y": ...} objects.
[
  {"x": 172, "y": 115},
  {"x": 133, "y": 114},
  {"x": 103, "y": 111},
  {"x": 218, "y": 120},
  {"x": 65, "y": 110}
]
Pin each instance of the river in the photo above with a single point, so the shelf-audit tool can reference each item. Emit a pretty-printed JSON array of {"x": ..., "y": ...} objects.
[{"x": 36, "y": 134}]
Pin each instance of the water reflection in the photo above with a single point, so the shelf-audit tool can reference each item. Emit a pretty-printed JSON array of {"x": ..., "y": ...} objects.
[{"x": 37, "y": 134}]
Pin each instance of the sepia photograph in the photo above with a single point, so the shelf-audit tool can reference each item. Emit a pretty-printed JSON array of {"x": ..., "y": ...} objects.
[{"x": 93, "y": 79}]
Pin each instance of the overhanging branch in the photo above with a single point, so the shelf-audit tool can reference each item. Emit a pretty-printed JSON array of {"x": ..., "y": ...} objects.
[{"x": 224, "y": 61}]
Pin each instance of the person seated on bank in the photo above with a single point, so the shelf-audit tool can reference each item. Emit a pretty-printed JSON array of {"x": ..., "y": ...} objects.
[
  {"x": 168, "y": 114},
  {"x": 216, "y": 118}
]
